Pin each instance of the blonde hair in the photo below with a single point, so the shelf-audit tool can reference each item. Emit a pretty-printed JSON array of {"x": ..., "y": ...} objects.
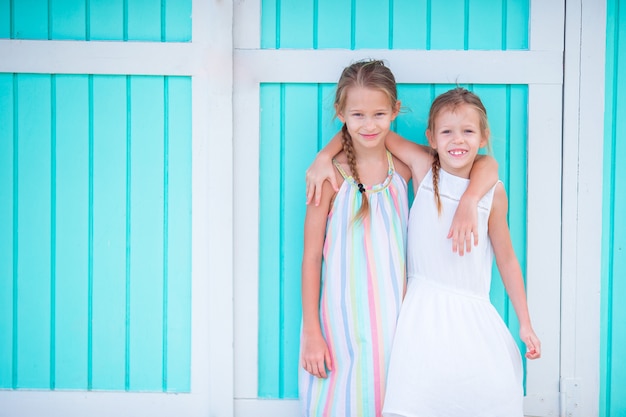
[
  {"x": 451, "y": 100},
  {"x": 371, "y": 74}
]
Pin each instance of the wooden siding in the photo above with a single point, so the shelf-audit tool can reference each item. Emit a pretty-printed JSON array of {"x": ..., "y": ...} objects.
[
  {"x": 395, "y": 24},
  {"x": 95, "y": 226},
  {"x": 613, "y": 336},
  {"x": 112, "y": 20},
  {"x": 296, "y": 121}
]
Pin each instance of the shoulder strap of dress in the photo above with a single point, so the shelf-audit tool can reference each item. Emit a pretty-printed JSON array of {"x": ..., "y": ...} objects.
[
  {"x": 340, "y": 169},
  {"x": 390, "y": 161}
]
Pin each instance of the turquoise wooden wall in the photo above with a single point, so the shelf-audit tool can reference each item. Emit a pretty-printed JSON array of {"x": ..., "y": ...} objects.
[
  {"x": 95, "y": 220},
  {"x": 113, "y": 20},
  {"x": 296, "y": 122},
  {"x": 95, "y": 232},
  {"x": 395, "y": 24},
  {"x": 613, "y": 336}
]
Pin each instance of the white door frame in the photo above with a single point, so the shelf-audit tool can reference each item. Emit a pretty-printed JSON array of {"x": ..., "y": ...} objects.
[
  {"x": 541, "y": 67},
  {"x": 208, "y": 60}
]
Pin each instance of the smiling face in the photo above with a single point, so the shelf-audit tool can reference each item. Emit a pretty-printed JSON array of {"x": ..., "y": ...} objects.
[
  {"x": 368, "y": 114},
  {"x": 457, "y": 136}
]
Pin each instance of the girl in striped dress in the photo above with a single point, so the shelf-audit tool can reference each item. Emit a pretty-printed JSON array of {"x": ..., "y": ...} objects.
[{"x": 354, "y": 240}]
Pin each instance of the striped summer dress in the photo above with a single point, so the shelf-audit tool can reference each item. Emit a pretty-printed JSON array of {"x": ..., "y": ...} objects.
[{"x": 363, "y": 277}]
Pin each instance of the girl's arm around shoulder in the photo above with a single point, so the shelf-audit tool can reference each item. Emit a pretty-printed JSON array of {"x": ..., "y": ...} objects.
[
  {"x": 322, "y": 169},
  {"x": 402, "y": 169},
  {"x": 417, "y": 157},
  {"x": 316, "y": 357},
  {"x": 483, "y": 176},
  {"x": 510, "y": 270}
]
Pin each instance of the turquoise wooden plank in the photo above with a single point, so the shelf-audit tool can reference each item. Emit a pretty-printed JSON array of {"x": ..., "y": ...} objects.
[
  {"x": 412, "y": 121},
  {"x": 177, "y": 24},
  {"x": 67, "y": 19},
  {"x": 7, "y": 219},
  {"x": 484, "y": 25},
  {"x": 5, "y": 19},
  {"x": 329, "y": 125},
  {"x": 332, "y": 28},
  {"x": 270, "y": 235},
  {"x": 517, "y": 23},
  {"x": 617, "y": 382},
  {"x": 107, "y": 20},
  {"x": 296, "y": 24},
  {"x": 144, "y": 20},
  {"x": 33, "y": 228},
  {"x": 518, "y": 186},
  {"x": 30, "y": 19},
  {"x": 269, "y": 24},
  {"x": 178, "y": 289},
  {"x": 108, "y": 258},
  {"x": 146, "y": 233},
  {"x": 71, "y": 245},
  {"x": 300, "y": 146},
  {"x": 497, "y": 114},
  {"x": 371, "y": 24},
  {"x": 410, "y": 24},
  {"x": 613, "y": 335},
  {"x": 447, "y": 23}
]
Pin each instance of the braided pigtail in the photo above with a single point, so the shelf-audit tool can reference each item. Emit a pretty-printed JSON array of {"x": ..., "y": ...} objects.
[
  {"x": 348, "y": 149},
  {"x": 435, "y": 170}
]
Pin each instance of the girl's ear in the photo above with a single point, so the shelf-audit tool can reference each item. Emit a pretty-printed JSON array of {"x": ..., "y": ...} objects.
[
  {"x": 396, "y": 110},
  {"x": 485, "y": 138},
  {"x": 431, "y": 139},
  {"x": 339, "y": 114}
]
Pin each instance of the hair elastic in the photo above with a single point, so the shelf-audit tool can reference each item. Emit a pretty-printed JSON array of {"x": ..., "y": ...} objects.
[{"x": 361, "y": 188}]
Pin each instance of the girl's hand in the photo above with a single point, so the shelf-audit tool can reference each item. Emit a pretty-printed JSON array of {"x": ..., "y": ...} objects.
[
  {"x": 533, "y": 344},
  {"x": 464, "y": 225},
  {"x": 320, "y": 170},
  {"x": 315, "y": 355}
]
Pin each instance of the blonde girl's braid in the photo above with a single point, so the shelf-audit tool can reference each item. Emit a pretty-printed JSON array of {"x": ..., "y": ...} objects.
[
  {"x": 435, "y": 169},
  {"x": 348, "y": 149}
]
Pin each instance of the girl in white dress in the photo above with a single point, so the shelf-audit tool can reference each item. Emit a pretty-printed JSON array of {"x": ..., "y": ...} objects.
[{"x": 453, "y": 355}]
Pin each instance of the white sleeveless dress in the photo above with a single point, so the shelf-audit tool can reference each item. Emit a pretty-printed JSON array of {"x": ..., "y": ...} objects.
[{"x": 452, "y": 355}]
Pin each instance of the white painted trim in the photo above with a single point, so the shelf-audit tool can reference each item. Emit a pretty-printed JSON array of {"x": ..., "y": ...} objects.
[
  {"x": 213, "y": 116},
  {"x": 124, "y": 58},
  {"x": 24, "y": 403},
  {"x": 547, "y": 21},
  {"x": 246, "y": 234},
  {"x": 261, "y": 408},
  {"x": 247, "y": 24},
  {"x": 583, "y": 123},
  {"x": 543, "y": 272},
  {"x": 510, "y": 67}
]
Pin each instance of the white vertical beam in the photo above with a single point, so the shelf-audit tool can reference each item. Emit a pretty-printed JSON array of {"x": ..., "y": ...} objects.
[
  {"x": 247, "y": 25},
  {"x": 547, "y": 20},
  {"x": 212, "y": 233},
  {"x": 544, "y": 242},
  {"x": 583, "y": 124},
  {"x": 246, "y": 272}
]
